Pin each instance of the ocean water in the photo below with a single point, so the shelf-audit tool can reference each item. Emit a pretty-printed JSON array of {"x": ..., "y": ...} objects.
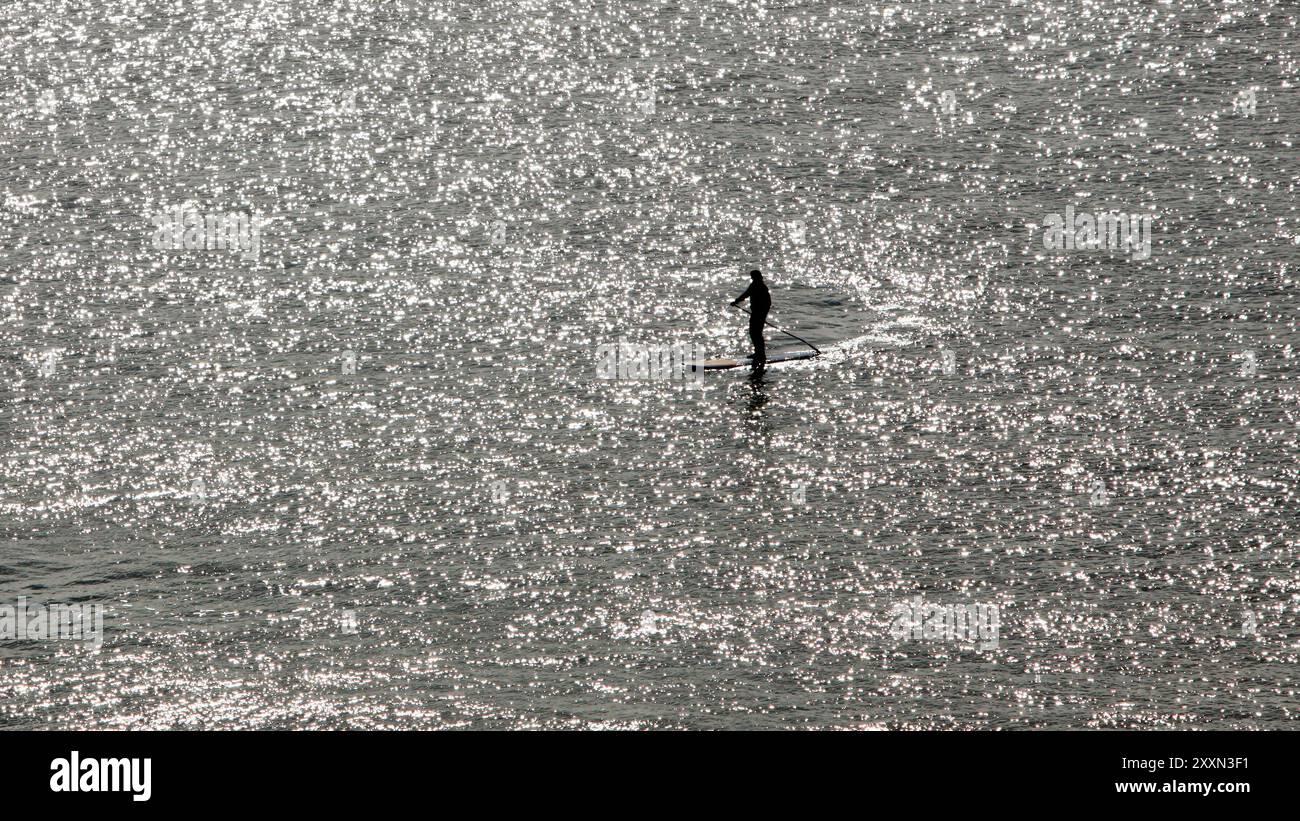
[{"x": 361, "y": 471}]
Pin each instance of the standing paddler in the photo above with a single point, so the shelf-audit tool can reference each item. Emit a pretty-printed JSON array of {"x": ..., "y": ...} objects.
[{"x": 760, "y": 301}]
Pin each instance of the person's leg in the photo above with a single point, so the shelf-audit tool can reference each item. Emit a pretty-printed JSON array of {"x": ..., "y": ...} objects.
[{"x": 756, "y": 336}]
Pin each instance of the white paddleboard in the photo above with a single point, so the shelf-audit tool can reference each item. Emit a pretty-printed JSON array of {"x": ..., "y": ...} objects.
[{"x": 723, "y": 364}]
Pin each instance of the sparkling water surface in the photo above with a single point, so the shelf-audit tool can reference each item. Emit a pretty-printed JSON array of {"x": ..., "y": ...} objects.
[{"x": 370, "y": 479}]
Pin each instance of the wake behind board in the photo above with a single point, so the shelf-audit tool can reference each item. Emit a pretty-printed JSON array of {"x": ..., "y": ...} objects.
[{"x": 723, "y": 364}]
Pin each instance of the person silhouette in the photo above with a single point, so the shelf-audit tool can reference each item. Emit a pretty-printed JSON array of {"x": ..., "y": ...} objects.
[{"x": 760, "y": 300}]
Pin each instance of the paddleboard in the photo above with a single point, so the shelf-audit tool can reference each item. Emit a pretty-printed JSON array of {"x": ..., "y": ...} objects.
[{"x": 723, "y": 364}]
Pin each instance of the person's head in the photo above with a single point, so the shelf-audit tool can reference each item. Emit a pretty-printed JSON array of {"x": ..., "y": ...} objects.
[{"x": 755, "y": 275}]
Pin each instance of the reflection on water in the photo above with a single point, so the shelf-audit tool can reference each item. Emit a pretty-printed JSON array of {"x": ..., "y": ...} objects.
[
  {"x": 756, "y": 399},
  {"x": 356, "y": 469}
]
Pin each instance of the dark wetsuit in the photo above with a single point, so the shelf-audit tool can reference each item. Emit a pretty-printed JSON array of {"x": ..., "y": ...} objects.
[{"x": 760, "y": 302}]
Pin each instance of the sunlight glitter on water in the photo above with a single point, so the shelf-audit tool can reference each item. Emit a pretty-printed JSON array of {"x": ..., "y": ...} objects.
[{"x": 367, "y": 477}]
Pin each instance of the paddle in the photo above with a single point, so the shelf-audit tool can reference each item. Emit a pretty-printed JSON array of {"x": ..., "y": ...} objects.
[{"x": 787, "y": 333}]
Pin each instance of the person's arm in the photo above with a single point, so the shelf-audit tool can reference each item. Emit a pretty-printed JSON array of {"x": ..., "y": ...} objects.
[{"x": 743, "y": 296}]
